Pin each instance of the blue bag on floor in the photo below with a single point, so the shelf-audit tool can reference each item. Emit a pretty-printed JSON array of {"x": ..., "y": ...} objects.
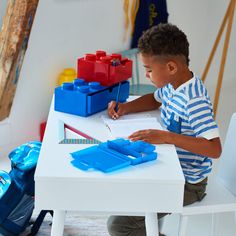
[{"x": 17, "y": 189}]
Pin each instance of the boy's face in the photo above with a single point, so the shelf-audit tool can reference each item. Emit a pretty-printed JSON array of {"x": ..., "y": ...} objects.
[{"x": 159, "y": 72}]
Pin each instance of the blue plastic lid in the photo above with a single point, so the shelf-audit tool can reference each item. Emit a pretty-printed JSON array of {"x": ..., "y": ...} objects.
[
  {"x": 5, "y": 182},
  {"x": 113, "y": 155}
]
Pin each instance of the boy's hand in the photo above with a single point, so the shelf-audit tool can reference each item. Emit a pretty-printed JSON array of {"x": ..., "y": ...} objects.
[
  {"x": 120, "y": 110},
  {"x": 153, "y": 136}
]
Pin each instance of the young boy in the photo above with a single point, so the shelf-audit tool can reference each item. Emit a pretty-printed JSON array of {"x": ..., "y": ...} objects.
[{"x": 186, "y": 112}]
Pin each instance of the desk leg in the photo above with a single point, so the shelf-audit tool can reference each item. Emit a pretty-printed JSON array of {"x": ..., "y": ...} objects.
[
  {"x": 58, "y": 223},
  {"x": 151, "y": 223}
]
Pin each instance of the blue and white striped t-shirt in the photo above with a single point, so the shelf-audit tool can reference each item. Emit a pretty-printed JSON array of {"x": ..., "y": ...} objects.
[{"x": 188, "y": 110}]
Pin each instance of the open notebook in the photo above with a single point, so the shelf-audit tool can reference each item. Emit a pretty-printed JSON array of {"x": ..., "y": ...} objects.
[{"x": 128, "y": 124}]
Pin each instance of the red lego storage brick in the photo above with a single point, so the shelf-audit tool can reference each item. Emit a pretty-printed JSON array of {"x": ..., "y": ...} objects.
[{"x": 103, "y": 68}]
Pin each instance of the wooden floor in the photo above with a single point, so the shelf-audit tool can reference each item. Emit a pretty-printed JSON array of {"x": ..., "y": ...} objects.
[{"x": 77, "y": 225}]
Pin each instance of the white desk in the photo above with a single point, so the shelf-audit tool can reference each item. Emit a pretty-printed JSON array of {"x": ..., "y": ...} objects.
[{"x": 144, "y": 189}]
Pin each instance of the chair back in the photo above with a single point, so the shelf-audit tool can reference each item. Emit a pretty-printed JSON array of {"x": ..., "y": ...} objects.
[
  {"x": 137, "y": 88},
  {"x": 227, "y": 165},
  {"x": 133, "y": 55}
]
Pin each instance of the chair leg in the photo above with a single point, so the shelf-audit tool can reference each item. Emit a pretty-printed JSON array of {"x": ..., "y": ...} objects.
[
  {"x": 183, "y": 225},
  {"x": 215, "y": 220}
]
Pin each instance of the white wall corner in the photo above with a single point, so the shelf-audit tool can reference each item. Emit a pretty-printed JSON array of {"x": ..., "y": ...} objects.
[{"x": 5, "y": 132}]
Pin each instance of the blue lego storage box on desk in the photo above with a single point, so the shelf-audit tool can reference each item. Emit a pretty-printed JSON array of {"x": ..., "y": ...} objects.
[
  {"x": 113, "y": 155},
  {"x": 85, "y": 99}
]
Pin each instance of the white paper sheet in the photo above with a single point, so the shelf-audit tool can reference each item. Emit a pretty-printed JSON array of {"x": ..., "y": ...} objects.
[{"x": 128, "y": 124}]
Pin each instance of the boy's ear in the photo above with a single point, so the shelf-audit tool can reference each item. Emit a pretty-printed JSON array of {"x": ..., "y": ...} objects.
[{"x": 172, "y": 67}]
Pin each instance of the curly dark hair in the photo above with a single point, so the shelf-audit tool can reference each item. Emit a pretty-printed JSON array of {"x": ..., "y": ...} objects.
[{"x": 164, "y": 40}]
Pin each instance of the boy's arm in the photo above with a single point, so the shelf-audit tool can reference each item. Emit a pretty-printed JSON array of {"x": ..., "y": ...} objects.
[
  {"x": 201, "y": 146},
  {"x": 145, "y": 103}
]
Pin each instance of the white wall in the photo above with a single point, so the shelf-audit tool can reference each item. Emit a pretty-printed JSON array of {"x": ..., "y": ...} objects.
[
  {"x": 63, "y": 31},
  {"x": 66, "y": 29},
  {"x": 3, "y": 4}
]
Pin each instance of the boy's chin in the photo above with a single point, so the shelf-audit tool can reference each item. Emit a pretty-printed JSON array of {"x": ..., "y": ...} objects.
[
  {"x": 156, "y": 85},
  {"x": 159, "y": 85}
]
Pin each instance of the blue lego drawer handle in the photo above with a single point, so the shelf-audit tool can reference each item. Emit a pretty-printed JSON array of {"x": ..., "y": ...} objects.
[{"x": 112, "y": 155}]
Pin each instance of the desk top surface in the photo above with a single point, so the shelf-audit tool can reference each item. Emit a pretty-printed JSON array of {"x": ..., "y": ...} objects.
[{"x": 55, "y": 159}]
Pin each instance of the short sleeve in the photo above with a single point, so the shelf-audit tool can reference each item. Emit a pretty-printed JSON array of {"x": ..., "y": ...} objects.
[
  {"x": 200, "y": 116},
  {"x": 158, "y": 94}
]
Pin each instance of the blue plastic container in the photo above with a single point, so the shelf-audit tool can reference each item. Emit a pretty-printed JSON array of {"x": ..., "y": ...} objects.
[
  {"x": 114, "y": 155},
  {"x": 84, "y": 99}
]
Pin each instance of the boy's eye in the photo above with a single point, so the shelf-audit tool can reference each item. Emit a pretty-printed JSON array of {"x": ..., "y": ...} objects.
[{"x": 148, "y": 71}]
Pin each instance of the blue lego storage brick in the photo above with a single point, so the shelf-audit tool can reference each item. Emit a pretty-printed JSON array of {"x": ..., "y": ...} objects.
[
  {"x": 113, "y": 155},
  {"x": 84, "y": 99}
]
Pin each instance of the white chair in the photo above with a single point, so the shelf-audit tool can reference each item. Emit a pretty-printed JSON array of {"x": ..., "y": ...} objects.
[{"x": 221, "y": 189}]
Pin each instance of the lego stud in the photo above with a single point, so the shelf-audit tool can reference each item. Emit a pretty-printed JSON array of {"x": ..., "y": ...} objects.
[
  {"x": 106, "y": 59},
  {"x": 90, "y": 57},
  {"x": 116, "y": 59},
  {"x": 83, "y": 88},
  {"x": 100, "y": 54},
  {"x": 69, "y": 71},
  {"x": 116, "y": 56},
  {"x": 79, "y": 82},
  {"x": 67, "y": 86},
  {"x": 68, "y": 75},
  {"x": 94, "y": 85}
]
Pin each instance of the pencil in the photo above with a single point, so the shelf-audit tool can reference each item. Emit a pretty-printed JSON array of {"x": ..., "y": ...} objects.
[{"x": 117, "y": 97}]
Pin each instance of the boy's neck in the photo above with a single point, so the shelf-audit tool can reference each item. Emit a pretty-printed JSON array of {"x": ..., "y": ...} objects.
[{"x": 183, "y": 75}]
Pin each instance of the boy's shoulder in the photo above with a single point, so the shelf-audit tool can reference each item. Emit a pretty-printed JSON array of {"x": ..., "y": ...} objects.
[
  {"x": 192, "y": 89},
  {"x": 188, "y": 93}
]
